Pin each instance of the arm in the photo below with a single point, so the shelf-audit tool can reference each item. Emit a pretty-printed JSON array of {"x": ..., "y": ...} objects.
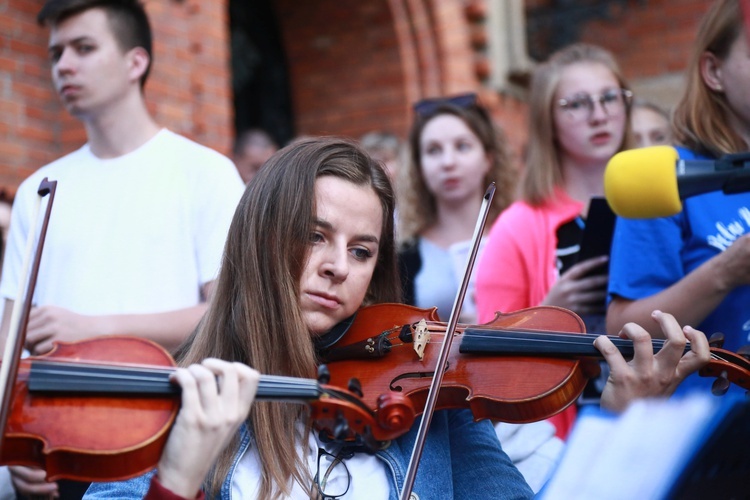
[
  {"x": 649, "y": 374},
  {"x": 50, "y": 323},
  {"x": 691, "y": 299}
]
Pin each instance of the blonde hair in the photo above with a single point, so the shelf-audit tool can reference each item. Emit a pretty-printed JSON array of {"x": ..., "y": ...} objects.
[
  {"x": 254, "y": 316},
  {"x": 644, "y": 104},
  {"x": 700, "y": 119},
  {"x": 417, "y": 205},
  {"x": 543, "y": 172}
]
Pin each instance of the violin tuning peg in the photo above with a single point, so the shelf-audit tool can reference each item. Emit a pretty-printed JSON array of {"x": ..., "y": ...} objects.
[
  {"x": 341, "y": 428},
  {"x": 720, "y": 385},
  {"x": 716, "y": 340},
  {"x": 324, "y": 376},
  {"x": 744, "y": 351},
  {"x": 355, "y": 386}
]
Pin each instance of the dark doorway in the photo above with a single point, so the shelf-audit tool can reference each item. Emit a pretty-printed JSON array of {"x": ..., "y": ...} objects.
[{"x": 260, "y": 79}]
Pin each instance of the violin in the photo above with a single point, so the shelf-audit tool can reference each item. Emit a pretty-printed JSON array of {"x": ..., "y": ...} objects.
[
  {"x": 520, "y": 367},
  {"x": 101, "y": 409}
]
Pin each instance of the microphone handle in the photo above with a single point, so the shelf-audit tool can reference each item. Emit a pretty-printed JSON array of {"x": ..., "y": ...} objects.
[{"x": 698, "y": 177}]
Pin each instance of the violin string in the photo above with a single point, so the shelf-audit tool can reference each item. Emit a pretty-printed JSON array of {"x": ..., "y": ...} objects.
[
  {"x": 124, "y": 376},
  {"x": 553, "y": 338},
  {"x": 575, "y": 337}
]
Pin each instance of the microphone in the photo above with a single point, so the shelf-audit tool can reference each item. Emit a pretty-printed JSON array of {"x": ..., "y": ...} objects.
[{"x": 651, "y": 182}]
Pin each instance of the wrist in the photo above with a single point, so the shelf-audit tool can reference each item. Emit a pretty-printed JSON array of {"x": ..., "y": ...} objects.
[
  {"x": 721, "y": 274},
  {"x": 177, "y": 486},
  {"x": 159, "y": 491},
  {"x": 102, "y": 325}
]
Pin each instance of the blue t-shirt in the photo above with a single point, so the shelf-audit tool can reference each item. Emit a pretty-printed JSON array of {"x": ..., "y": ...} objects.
[{"x": 650, "y": 255}]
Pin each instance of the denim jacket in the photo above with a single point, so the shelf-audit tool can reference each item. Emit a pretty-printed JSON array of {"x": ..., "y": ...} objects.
[{"x": 461, "y": 459}]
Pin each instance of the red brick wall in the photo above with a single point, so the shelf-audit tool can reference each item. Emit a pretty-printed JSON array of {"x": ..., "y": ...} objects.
[
  {"x": 652, "y": 38},
  {"x": 188, "y": 90},
  {"x": 30, "y": 127},
  {"x": 190, "y": 87},
  {"x": 357, "y": 66},
  {"x": 354, "y": 65},
  {"x": 344, "y": 65}
]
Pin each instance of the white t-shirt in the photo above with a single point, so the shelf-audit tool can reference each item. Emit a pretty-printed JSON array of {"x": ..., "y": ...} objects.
[
  {"x": 140, "y": 233},
  {"x": 368, "y": 474},
  {"x": 437, "y": 282}
]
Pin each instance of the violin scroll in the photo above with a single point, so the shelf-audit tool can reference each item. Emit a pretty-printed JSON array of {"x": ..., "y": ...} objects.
[
  {"x": 728, "y": 368},
  {"x": 341, "y": 415},
  {"x": 395, "y": 412}
]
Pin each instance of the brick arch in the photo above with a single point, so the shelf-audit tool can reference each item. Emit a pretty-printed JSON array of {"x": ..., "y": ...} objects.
[
  {"x": 358, "y": 66},
  {"x": 418, "y": 47}
]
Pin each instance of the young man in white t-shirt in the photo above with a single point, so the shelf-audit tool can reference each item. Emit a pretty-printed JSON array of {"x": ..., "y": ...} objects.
[{"x": 140, "y": 214}]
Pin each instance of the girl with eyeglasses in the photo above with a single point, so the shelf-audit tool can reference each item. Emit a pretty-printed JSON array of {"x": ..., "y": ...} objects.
[
  {"x": 691, "y": 264},
  {"x": 579, "y": 115},
  {"x": 579, "y": 112},
  {"x": 312, "y": 240}
]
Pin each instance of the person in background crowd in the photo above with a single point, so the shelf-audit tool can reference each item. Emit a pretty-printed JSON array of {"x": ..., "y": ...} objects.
[
  {"x": 579, "y": 118},
  {"x": 650, "y": 124},
  {"x": 252, "y": 149},
  {"x": 455, "y": 152},
  {"x": 140, "y": 214},
  {"x": 695, "y": 264},
  {"x": 386, "y": 148}
]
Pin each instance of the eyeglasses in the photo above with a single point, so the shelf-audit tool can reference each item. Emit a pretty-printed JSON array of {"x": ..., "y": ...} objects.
[
  {"x": 340, "y": 480},
  {"x": 428, "y": 106},
  {"x": 580, "y": 107}
]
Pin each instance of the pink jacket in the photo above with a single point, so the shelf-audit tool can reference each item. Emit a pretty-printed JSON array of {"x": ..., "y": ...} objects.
[{"x": 517, "y": 267}]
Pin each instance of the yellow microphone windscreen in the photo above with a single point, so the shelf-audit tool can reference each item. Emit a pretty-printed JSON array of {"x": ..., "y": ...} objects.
[{"x": 642, "y": 183}]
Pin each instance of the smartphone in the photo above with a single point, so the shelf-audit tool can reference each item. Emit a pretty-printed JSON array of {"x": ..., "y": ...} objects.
[{"x": 597, "y": 235}]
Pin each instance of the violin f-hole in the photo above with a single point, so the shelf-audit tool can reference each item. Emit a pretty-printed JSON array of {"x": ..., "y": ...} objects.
[{"x": 409, "y": 375}]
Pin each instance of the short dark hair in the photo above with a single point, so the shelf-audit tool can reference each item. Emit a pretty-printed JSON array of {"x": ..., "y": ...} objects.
[{"x": 127, "y": 18}]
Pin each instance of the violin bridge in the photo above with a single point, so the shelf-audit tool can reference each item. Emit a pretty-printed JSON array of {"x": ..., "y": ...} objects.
[{"x": 421, "y": 338}]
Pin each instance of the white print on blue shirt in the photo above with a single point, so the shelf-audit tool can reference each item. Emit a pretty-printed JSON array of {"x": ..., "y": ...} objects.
[
  {"x": 746, "y": 330},
  {"x": 728, "y": 233}
]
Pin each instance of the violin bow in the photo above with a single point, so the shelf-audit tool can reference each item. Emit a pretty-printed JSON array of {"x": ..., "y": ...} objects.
[
  {"x": 19, "y": 318},
  {"x": 437, "y": 379}
]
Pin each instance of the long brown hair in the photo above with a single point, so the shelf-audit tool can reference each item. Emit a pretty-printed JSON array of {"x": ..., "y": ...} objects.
[
  {"x": 417, "y": 206},
  {"x": 254, "y": 316},
  {"x": 700, "y": 119},
  {"x": 543, "y": 172}
]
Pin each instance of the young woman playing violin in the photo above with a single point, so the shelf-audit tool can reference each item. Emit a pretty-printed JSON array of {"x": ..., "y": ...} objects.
[{"x": 311, "y": 242}]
